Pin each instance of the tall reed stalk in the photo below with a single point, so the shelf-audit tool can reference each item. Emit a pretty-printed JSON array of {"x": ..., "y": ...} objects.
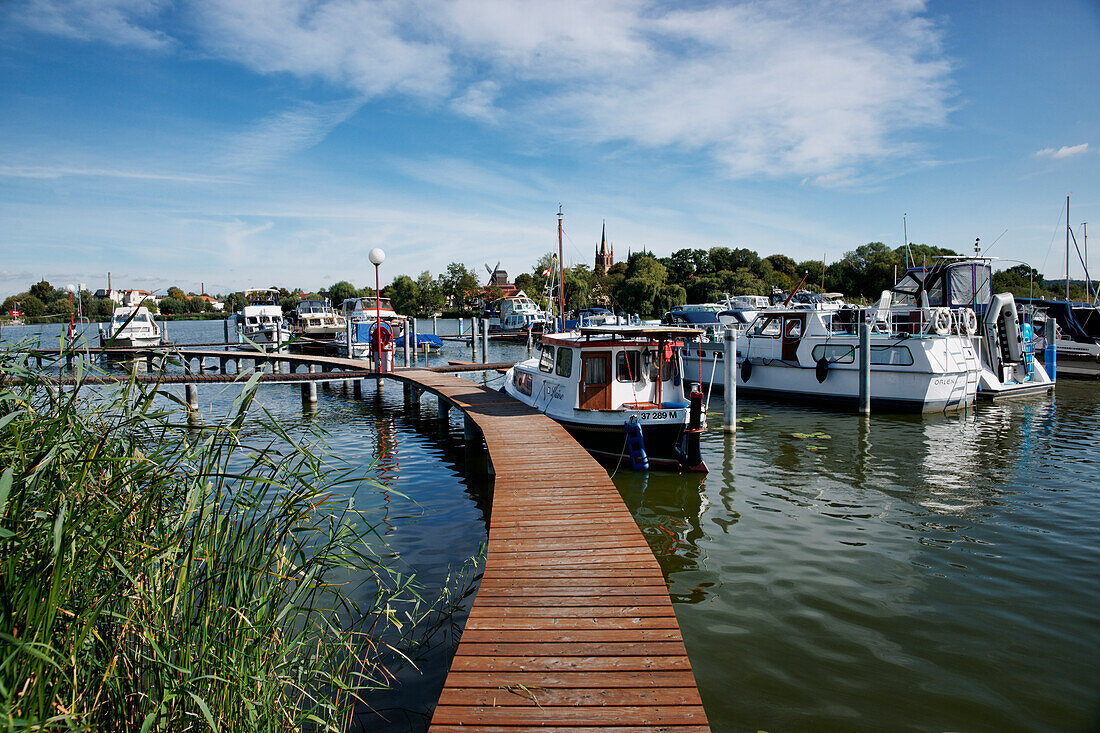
[{"x": 157, "y": 578}]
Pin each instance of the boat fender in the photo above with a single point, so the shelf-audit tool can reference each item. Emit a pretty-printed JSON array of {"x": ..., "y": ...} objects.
[
  {"x": 385, "y": 336},
  {"x": 970, "y": 322},
  {"x": 1029, "y": 348},
  {"x": 941, "y": 321},
  {"x": 635, "y": 444},
  {"x": 822, "y": 369},
  {"x": 746, "y": 370}
]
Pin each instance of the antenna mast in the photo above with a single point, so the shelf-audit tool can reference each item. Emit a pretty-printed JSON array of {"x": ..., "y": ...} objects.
[
  {"x": 905, "y": 230},
  {"x": 561, "y": 268},
  {"x": 1067, "y": 246}
]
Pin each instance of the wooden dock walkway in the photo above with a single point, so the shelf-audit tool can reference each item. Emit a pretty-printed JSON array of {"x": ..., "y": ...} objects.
[{"x": 572, "y": 627}]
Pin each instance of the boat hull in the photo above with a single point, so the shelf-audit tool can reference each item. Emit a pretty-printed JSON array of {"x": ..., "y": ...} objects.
[{"x": 607, "y": 443}]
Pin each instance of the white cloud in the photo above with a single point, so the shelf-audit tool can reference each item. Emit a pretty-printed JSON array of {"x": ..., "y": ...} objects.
[
  {"x": 802, "y": 88},
  {"x": 1065, "y": 151},
  {"x": 119, "y": 22},
  {"x": 52, "y": 172},
  {"x": 286, "y": 133}
]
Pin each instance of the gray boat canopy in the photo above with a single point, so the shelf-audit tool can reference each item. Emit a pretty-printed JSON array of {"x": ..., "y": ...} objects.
[{"x": 642, "y": 331}]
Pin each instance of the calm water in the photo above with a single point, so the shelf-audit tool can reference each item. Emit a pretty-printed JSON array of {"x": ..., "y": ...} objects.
[{"x": 891, "y": 573}]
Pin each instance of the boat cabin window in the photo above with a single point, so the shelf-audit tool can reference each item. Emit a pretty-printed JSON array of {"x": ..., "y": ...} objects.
[
  {"x": 564, "y": 365},
  {"x": 891, "y": 355},
  {"x": 546, "y": 360},
  {"x": 836, "y": 354},
  {"x": 651, "y": 363},
  {"x": 766, "y": 326},
  {"x": 792, "y": 328},
  {"x": 627, "y": 366},
  {"x": 595, "y": 370},
  {"x": 522, "y": 380}
]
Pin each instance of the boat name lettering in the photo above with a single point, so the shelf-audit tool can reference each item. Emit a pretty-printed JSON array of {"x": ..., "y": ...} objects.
[{"x": 555, "y": 391}]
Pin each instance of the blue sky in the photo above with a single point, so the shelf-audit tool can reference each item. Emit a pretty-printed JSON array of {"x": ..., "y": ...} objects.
[{"x": 254, "y": 142}]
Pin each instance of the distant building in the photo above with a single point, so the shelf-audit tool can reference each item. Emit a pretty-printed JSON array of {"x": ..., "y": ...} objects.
[
  {"x": 215, "y": 305},
  {"x": 115, "y": 296},
  {"x": 605, "y": 253}
]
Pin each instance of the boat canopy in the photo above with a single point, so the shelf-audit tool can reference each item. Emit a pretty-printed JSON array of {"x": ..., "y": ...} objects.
[
  {"x": 949, "y": 284},
  {"x": 650, "y": 332}
]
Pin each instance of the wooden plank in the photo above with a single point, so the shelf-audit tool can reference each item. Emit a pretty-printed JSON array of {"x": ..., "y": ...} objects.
[{"x": 572, "y": 603}]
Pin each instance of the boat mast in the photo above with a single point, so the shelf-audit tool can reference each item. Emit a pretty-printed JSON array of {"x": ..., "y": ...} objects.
[
  {"x": 1067, "y": 248},
  {"x": 561, "y": 270}
]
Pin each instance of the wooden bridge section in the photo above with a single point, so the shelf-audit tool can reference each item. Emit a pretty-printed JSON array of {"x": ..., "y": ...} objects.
[{"x": 572, "y": 627}]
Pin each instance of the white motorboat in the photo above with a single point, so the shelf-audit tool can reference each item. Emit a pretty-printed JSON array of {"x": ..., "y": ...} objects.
[
  {"x": 131, "y": 327},
  {"x": 939, "y": 340},
  {"x": 260, "y": 321},
  {"x": 617, "y": 389},
  {"x": 314, "y": 324},
  {"x": 962, "y": 286},
  {"x": 362, "y": 315},
  {"x": 517, "y": 313}
]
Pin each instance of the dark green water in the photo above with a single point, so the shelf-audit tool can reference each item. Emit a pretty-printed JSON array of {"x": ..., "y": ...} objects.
[{"x": 893, "y": 573}]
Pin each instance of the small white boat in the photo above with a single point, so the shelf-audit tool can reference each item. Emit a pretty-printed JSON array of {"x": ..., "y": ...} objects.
[
  {"x": 131, "y": 327},
  {"x": 617, "y": 389},
  {"x": 517, "y": 313},
  {"x": 362, "y": 315},
  {"x": 260, "y": 321}
]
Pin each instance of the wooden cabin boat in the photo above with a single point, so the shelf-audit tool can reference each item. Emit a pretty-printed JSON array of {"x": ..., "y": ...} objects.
[
  {"x": 610, "y": 385},
  {"x": 314, "y": 324},
  {"x": 361, "y": 315}
]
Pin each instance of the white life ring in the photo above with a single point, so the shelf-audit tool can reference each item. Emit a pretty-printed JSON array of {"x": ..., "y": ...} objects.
[
  {"x": 941, "y": 321},
  {"x": 970, "y": 322}
]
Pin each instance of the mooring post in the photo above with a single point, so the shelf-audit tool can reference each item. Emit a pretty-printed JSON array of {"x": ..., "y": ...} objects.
[
  {"x": 864, "y": 367},
  {"x": 470, "y": 433},
  {"x": 729, "y": 405},
  {"x": 225, "y": 325},
  {"x": 473, "y": 338},
  {"x": 357, "y": 388},
  {"x": 405, "y": 344},
  {"x": 309, "y": 387},
  {"x": 443, "y": 407},
  {"x": 412, "y": 336},
  {"x": 407, "y": 392},
  {"x": 435, "y": 325},
  {"x": 530, "y": 339},
  {"x": 347, "y": 330},
  {"x": 192, "y": 397},
  {"x": 485, "y": 341}
]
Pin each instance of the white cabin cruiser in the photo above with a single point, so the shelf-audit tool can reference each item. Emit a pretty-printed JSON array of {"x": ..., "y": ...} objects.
[
  {"x": 314, "y": 324},
  {"x": 131, "y": 327},
  {"x": 618, "y": 389},
  {"x": 260, "y": 321},
  {"x": 962, "y": 286},
  {"x": 517, "y": 313},
  {"x": 362, "y": 316}
]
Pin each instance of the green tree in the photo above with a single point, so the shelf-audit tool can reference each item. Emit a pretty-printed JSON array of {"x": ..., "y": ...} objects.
[
  {"x": 405, "y": 295},
  {"x": 430, "y": 297},
  {"x": 174, "y": 292},
  {"x": 169, "y": 306},
  {"x": 195, "y": 304},
  {"x": 785, "y": 266},
  {"x": 340, "y": 292},
  {"x": 461, "y": 285},
  {"x": 43, "y": 291},
  {"x": 743, "y": 282},
  {"x": 33, "y": 306},
  {"x": 234, "y": 302},
  {"x": 288, "y": 303},
  {"x": 864, "y": 272},
  {"x": 704, "y": 289}
]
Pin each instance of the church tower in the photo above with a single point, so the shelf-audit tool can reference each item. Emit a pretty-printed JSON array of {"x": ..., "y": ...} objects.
[{"x": 605, "y": 253}]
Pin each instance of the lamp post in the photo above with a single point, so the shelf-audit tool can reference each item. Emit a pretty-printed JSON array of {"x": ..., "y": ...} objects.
[
  {"x": 377, "y": 257},
  {"x": 71, "y": 289}
]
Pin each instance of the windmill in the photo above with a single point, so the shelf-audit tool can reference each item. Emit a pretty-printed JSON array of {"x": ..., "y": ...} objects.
[{"x": 492, "y": 273}]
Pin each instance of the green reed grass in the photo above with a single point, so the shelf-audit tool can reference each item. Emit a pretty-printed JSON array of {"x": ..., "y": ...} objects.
[{"x": 158, "y": 577}]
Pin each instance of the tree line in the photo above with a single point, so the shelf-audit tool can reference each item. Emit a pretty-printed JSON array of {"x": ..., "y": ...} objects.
[{"x": 644, "y": 284}]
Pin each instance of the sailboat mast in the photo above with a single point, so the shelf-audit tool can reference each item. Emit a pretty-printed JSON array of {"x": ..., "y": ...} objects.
[
  {"x": 1067, "y": 249},
  {"x": 561, "y": 270}
]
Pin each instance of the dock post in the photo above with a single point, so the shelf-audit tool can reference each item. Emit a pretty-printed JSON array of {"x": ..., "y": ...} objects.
[
  {"x": 309, "y": 388},
  {"x": 347, "y": 333},
  {"x": 485, "y": 341},
  {"x": 411, "y": 336},
  {"x": 405, "y": 347},
  {"x": 729, "y": 405},
  {"x": 443, "y": 408},
  {"x": 470, "y": 433},
  {"x": 225, "y": 327},
  {"x": 407, "y": 391},
  {"x": 473, "y": 338},
  {"x": 435, "y": 325},
  {"x": 864, "y": 367},
  {"x": 192, "y": 397}
]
